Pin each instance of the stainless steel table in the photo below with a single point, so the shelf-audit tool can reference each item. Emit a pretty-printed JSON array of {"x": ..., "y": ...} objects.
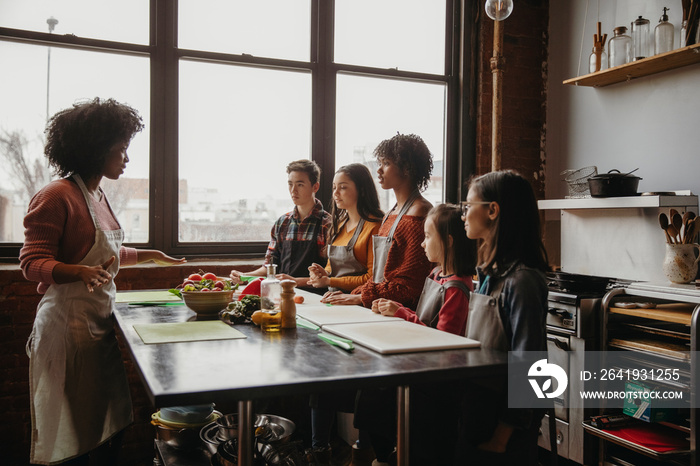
[{"x": 294, "y": 361}]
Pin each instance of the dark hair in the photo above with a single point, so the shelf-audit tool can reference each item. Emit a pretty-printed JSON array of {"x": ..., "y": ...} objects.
[
  {"x": 307, "y": 166},
  {"x": 516, "y": 234},
  {"x": 78, "y": 139},
  {"x": 367, "y": 198},
  {"x": 410, "y": 154},
  {"x": 461, "y": 259}
]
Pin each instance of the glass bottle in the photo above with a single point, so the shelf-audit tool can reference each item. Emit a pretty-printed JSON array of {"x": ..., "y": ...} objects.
[
  {"x": 619, "y": 47},
  {"x": 640, "y": 38},
  {"x": 593, "y": 64},
  {"x": 270, "y": 289},
  {"x": 663, "y": 35}
]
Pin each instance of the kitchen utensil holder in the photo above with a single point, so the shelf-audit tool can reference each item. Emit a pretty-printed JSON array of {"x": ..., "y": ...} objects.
[{"x": 577, "y": 181}]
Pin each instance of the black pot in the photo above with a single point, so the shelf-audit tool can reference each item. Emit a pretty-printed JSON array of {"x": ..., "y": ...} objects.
[{"x": 613, "y": 184}]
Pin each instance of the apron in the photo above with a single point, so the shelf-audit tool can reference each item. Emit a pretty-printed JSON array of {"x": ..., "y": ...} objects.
[
  {"x": 484, "y": 322},
  {"x": 433, "y": 297},
  {"x": 342, "y": 258},
  {"x": 382, "y": 244},
  {"x": 78, "y": 386},
  {"x": 297, "y": 256}
]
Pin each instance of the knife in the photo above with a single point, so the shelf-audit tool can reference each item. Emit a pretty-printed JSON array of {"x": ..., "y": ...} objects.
[
  {"x": 301, "y": 322},
  {"x": 337, "y": 341}
]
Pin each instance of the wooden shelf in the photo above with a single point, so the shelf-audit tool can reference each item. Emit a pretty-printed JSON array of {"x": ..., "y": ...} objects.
[
  {"x": 647, "y": 66},
  {"x": 679, "y": 313}
]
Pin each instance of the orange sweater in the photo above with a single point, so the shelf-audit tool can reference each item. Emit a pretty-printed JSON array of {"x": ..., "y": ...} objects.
[
  {"x": 363, "y": 251},
  {"x": 58, "y": 228},
  {"x": 406, "y": 265}
]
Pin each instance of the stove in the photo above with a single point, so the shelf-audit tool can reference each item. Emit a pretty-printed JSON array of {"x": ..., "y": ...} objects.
[{"x": 574, "y": 326}]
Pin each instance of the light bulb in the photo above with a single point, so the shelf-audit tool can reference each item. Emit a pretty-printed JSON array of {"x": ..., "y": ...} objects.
[{"x": 498, "y": 10}]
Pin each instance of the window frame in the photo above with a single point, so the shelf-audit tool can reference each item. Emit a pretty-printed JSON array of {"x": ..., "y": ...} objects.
[{"x": 165, "y": 56}]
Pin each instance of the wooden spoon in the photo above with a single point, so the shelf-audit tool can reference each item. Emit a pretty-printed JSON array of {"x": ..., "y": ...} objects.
[
  {"x": 677, "y": 222},
  {"x": 663, "y": 221}
]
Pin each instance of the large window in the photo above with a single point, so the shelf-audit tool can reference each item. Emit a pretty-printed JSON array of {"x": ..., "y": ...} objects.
[{"x": 230, "y": 91}]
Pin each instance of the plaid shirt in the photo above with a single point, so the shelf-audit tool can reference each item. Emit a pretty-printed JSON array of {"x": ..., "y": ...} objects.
[{"x": 289, "y": 227}]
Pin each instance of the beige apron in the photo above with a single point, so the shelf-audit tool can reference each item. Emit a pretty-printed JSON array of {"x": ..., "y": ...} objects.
[
  {"x": 382, "y": 244},
  {"x": 484, "y": 322},
  {"x": 433, "y": 297},
  {"x": 78, "y": 387},
  {"x": 343, "y": 260}
]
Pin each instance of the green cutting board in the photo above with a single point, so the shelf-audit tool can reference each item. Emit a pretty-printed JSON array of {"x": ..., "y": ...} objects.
[{"x": 176, "y": 332}]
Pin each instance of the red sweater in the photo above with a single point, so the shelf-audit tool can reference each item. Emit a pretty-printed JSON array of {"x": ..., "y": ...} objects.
[
  {"x": 453, "y": 314},
  {"x": 406, "y": 264},
  {"x": 59, "y": 229}
]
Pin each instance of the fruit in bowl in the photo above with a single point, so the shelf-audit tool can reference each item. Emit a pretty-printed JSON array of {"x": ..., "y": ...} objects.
[{"x": 205, "y": 293}]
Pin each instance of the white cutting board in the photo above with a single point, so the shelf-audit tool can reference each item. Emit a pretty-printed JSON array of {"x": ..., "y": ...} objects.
[
  {"x": 323, "y": 314},
  {"x": 400, "y": 337}
]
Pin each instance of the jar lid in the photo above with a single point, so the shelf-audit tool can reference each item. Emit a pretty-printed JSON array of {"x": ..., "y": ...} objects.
[
  {"x": 620, "y": 30},
  {"x": 639, "y": 21}
]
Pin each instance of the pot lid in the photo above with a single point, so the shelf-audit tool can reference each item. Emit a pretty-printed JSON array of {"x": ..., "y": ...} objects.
[{"x": 613, "y": 174}]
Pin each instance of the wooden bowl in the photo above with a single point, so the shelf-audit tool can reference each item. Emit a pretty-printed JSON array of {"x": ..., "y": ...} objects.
[{"x": 207, "y": 304}]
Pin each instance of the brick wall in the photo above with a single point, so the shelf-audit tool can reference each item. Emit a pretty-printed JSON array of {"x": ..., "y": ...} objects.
[
  {"x": 18, "y": 302},
  {"x": 524, "y": 91}
]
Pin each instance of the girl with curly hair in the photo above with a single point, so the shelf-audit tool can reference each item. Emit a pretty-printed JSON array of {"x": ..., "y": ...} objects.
[{"x": 80, "y": 401}]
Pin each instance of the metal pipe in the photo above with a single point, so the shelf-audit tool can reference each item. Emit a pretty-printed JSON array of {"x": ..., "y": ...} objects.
[
  {"x": 245, "y": 433},
  {"x": 497, "y": 63},
  {"x": 402, "y": 425}
]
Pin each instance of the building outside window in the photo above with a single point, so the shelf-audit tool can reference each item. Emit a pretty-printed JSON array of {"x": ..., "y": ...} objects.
[{"x": 249, "y": 87}]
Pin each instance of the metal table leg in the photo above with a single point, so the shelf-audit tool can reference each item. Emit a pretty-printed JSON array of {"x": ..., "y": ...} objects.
[
  {"x": 245, "y": 433},
  {"x": 402, "y": 425}
]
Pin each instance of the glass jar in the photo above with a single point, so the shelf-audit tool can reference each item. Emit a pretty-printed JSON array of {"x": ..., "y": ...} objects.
[
  {"x": 663, "y": 35},
  {"x": 619, "y": 47},
  {"x": 640, "y": 38},
  {"x": 270, "y": 289}
]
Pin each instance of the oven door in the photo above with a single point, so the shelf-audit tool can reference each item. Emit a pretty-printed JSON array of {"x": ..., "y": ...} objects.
[{"x": 558, "y": 353}]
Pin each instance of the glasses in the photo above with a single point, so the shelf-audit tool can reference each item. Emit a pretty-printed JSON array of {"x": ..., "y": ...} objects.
[{"x": 467, "y": 205}]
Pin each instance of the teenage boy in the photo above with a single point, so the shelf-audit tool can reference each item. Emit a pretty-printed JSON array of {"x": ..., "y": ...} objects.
[{"x": 298, "y": 237}]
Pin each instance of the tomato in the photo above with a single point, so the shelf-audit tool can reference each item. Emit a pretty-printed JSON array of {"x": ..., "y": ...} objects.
[
  {"x": 195, "y": 277},
  {"x": 219, "y": 284},
  {"x": 205, "y": 289},
  {"x": 209, "y": 276},
  {"x": 187, "y": 282},
  {"x": 298, "y": 299}
]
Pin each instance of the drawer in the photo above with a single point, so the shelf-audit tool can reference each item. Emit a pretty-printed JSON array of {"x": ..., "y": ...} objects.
[{"x": 562, "y": 436}]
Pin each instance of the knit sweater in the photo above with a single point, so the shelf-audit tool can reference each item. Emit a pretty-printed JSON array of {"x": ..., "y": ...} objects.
[
  {"x": 59, "y": 229},
  {"x": 363, "y": 252},
  {"x": 453, "y": 314},
  {"x": 406, "y": 265}
]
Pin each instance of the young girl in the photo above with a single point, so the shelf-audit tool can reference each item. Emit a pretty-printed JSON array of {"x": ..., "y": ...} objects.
[
  {"x": 356, "y": 217},
  {"x": 444, "y": 302},
  {"x": 508, "y": 313},
  {"x": 400, "y": 266}
]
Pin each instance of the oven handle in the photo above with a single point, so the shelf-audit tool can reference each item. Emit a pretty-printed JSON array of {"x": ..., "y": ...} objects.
[{"x": 560, "y": 344}]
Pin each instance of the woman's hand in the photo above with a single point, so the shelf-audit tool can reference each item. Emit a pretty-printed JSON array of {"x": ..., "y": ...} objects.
[
  {"x": 159, "y": 257},
  {"x": 385, "y": 307},
  {"x": 235, "y": 276},
  {"x": 95, "y": 276},
  {"x": 316, "y": 271},
  {"x": 338, "y": 297},
  {"x": 319, "y": 282}
]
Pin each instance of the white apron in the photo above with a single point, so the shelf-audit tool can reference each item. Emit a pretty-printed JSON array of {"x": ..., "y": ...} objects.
[{"x": 78, "y": 387}]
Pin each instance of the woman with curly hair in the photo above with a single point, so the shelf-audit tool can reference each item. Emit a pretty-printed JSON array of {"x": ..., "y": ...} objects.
[
  {"x": 80, "y": 401},
  {"x": 400, "y": 265}
]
